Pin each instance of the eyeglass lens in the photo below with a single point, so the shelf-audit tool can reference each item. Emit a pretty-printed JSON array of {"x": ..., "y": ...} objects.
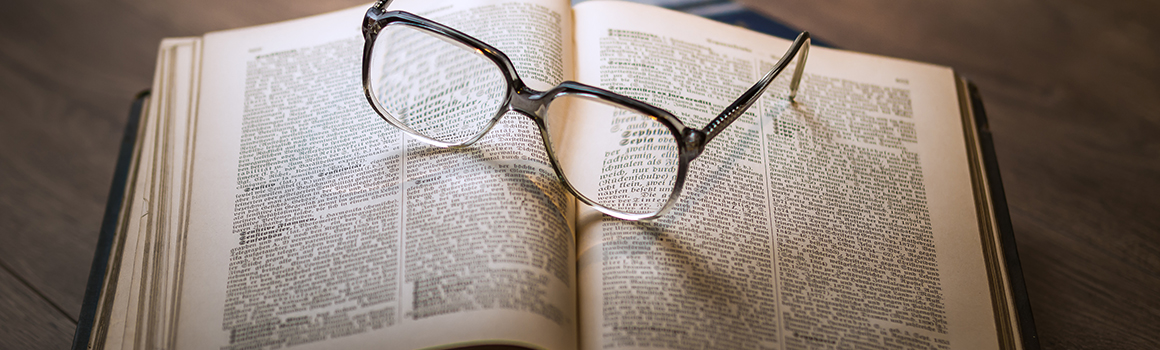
[
  {"x": 615, "y": 156},
  {"x": 624, "y": 160},
  {"x": 438, "y": 89}
]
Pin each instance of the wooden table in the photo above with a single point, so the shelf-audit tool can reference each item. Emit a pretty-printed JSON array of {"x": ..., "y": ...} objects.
[{"x": 1072, "y": 90}]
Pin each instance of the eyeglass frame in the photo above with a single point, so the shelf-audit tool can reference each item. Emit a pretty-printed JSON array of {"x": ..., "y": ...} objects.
[{"x": 534, "y": 104}]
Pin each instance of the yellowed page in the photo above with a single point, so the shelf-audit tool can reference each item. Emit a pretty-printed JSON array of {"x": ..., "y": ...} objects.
[
  {"x": 112, "y": 334},
  {"x": 147, "y": 198},
  {"x": 177, "y": 135},
  {"x": 123, "y": 317},
  {"x": 314, "y": 224},
  {"x": 844, "y": 220}
]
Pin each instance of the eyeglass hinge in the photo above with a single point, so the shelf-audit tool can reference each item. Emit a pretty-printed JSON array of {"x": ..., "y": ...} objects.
[{"x": 694, "y": 143}]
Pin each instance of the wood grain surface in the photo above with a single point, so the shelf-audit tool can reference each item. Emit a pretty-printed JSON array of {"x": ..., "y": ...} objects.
[{"x": 1071, "y": 88}]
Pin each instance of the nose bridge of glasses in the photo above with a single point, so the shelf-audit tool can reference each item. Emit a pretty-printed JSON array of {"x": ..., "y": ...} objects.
[{"x": 529, "y": 102}]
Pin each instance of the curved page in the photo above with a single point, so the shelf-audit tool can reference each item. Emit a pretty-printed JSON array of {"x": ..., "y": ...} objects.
[
  {"x": 316, "y": 225},
  {"x": 844, "y": 220}
]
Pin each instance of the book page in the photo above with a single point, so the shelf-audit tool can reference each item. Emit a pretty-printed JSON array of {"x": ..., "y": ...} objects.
[
  {"x": 315, "y": 224},
  {"x": 845, "y": 220},
  {"x": 112, "y": 334},
  {"x": 174, "y": 157},
  {"x": 141, "y": 306}
]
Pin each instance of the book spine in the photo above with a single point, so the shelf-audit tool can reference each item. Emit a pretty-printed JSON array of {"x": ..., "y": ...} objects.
[{"x": 1025, "y": 320}]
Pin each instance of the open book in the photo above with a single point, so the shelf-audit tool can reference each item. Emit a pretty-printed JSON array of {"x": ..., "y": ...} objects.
[{"x": 267, "y": 206}]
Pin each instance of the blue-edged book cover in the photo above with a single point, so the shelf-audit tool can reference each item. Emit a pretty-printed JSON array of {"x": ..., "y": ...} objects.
[{"x": 733, "y": 13}]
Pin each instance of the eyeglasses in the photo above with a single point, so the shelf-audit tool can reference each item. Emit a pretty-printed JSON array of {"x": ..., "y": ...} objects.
[{"x": 627, "y": 158}]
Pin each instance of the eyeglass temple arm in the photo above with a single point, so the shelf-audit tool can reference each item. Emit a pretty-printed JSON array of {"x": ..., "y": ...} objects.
[{"x": 735, "y": 110}]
